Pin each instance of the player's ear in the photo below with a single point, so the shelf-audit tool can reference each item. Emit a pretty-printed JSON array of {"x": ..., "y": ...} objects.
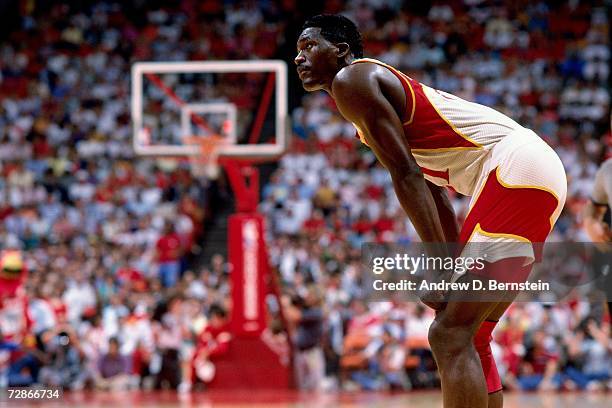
[{"x": 343, "y": 49}]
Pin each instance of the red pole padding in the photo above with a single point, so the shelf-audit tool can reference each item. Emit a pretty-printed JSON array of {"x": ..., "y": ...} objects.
[{"x": 247, "y": 254}]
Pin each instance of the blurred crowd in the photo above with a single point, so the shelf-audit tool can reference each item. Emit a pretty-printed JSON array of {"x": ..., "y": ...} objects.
[{"x": 107, "y": 237}]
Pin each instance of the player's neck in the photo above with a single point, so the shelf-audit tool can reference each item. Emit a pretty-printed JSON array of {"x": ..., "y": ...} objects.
[{"x": 328, "y": 86}]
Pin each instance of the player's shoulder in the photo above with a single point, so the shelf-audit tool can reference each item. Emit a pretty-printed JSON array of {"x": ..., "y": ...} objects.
[
  {"x": 354, "y": 74},
  {"x": 356, "y": 78}
]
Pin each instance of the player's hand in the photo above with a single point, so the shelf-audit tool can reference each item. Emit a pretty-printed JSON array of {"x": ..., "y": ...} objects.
[{"x": 435, "y": 299}]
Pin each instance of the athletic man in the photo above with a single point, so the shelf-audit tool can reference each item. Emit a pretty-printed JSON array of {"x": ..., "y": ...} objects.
[
  {"x": 594, "y": 213},
  {"x": 429, "y": 140}
]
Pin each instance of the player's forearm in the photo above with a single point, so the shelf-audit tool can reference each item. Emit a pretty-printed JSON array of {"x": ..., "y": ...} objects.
[
  {"x": 418, "y": 203},
  {"x": 446, "y": 213}
]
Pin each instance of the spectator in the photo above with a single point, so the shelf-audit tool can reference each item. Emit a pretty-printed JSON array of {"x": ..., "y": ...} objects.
[
  {"x": 325, "y": 198},
  {"x": 589, "y": 350},
  {"x": 78, "y": 297},
  {"x": 307, "y": 316},
  {"x": 386, "y": 369},
  {"x": 168, "y": 341},
  {"x": 113, "y": 369},
  {"x": 26, "y": 362},
  {"x": 540, "y": 371},
  {"x": 168, "y": 255},
  {"x": 212, "y": 345},
  {"x": 65, "y": 367},
  {"x": 6, "y": 349}
]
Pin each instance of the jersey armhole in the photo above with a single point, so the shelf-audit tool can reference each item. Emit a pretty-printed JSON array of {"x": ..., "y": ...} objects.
[
  {"x": 406, "y": 85},
  {"x": 413, "y": 102}
]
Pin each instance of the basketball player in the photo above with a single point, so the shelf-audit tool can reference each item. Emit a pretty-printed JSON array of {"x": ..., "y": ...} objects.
[
  {"x": 429, "y": 140},
  {"x": 594, "y": 212}
]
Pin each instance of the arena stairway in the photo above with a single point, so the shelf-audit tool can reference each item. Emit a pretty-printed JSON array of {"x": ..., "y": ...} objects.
[{"x": 221, "y": 206}]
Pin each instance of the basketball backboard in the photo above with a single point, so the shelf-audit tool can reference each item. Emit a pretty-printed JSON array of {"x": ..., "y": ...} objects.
[{"x": 244, "y": 102}]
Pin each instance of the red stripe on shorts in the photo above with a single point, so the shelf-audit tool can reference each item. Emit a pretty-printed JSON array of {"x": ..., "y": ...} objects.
[
  {"x": 436, "y": 173},
  {"x": 522, "y": 211}
]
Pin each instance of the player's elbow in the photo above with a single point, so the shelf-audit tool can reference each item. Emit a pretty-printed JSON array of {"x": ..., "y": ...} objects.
[{"x": 405, "y": 173}]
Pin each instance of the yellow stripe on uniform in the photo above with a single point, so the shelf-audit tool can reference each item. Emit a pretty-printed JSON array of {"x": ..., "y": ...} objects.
[{"x": 478, "y": 229}]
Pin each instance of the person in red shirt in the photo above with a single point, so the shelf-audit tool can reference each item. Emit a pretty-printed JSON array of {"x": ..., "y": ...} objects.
[
  {"x": 315, "y": 224},
  {"x": 214, "y": 340},
  {"x": 132, "y": 278},
  {"x": 213, "y": 343},
  {"x": 168, "y": 255}
]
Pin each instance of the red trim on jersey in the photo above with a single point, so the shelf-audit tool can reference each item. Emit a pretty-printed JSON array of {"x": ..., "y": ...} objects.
[
  {"x": 426, "y": 129},
  {"x": 436, "y": 173},
  {"x": 429, "y": 130},
  {"x": 503, "y": 210}
]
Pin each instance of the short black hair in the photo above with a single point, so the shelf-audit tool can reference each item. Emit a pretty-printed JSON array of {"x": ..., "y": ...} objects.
[
  {"x": 336, "y": 28},
  {"x": 217, "y": 310}
]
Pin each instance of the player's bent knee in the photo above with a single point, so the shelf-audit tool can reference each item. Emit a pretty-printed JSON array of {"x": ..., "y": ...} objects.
[{"x": 448, "y": 340}]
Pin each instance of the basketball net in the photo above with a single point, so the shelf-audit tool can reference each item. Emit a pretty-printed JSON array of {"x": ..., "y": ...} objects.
[{"x": 205, "y": 163}]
